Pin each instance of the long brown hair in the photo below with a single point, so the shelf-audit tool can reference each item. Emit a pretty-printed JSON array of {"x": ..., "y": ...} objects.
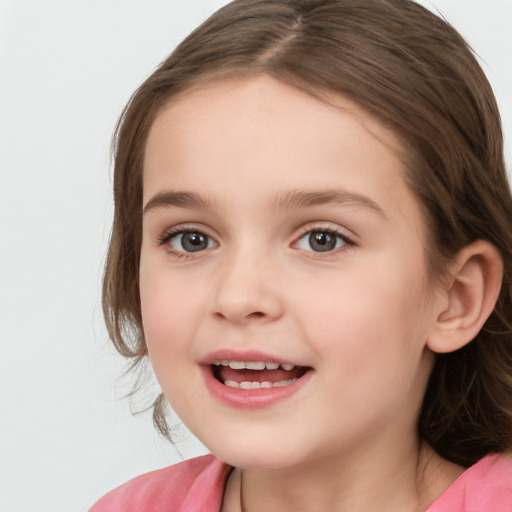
[{"x": 416, "y": 74}]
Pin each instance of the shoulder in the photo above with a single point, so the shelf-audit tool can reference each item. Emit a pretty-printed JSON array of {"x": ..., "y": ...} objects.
[
  {"x": 484, "y": 487},
  {"x": 193, "y": 485}
]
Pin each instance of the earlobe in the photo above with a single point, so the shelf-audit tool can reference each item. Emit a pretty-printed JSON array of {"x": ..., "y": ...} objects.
[{"x": 468, "y": 298}]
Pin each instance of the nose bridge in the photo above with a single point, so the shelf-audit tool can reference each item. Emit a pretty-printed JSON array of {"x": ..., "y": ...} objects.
[{"x": 246, "y": 289}]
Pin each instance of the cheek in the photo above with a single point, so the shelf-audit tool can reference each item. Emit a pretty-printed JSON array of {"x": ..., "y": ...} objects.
[
  {"x": 167, "y": 324},
  {"x": 370, "y": 335},
  {"x": 166, "y": 315},
  {"x": 373, "y": 313}
]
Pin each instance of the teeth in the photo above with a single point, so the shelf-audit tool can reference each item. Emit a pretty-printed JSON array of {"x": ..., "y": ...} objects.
[
  {"x": 258, "y": 385},
  {"x": 252, "y": 365},
  {"x": 260, "y": 365},
  {"x": 283, "y": 383},
  {"x": 236, "y": 365},
  {"x": 219, "y": 362}
]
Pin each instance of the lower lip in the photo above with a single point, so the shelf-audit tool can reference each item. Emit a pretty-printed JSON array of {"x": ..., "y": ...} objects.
[{"x": 251, "y": 399}]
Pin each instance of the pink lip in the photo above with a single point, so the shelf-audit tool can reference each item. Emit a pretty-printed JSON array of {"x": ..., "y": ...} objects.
[
  {"x": 242, "y": 355},
  {"x": 245, "y": 398}
]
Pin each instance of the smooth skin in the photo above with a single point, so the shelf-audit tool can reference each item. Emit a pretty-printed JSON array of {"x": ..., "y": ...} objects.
[{"x": 238, "y": 174}]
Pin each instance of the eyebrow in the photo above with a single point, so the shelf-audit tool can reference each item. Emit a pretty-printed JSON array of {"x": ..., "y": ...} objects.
[
  {"x": 302, "y": 199},
  {"x": 293, "y": 199},
  {"x": 176, "y": 198}
]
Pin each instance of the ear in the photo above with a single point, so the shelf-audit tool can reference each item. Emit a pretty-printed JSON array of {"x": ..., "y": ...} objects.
[{"x": 468, "y": 298}]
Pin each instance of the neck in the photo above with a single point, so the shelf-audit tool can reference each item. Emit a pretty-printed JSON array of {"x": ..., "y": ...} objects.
[{"x": 407, "y": 482}]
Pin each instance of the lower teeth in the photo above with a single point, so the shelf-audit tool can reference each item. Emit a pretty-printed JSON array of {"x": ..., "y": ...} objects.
[{"x": 258, "y": 385}]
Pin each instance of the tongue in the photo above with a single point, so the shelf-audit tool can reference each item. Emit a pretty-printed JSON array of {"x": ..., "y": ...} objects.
[{"x": 225, "y": 373}]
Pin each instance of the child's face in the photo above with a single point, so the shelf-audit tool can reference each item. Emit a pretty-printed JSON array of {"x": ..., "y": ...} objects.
[{"x": 279, "y": 229}]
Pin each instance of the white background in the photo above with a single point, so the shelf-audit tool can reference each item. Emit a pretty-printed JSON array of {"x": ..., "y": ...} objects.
[{"x": 67, "y": 67}]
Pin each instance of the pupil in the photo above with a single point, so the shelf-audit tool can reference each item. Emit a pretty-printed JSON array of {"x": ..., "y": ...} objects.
[
  {"x": 322, "y": 242},
  {"x": 193, "y": 242}
]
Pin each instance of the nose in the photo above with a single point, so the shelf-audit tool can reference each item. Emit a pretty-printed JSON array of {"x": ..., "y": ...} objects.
[{"x": 247, "y": 291}]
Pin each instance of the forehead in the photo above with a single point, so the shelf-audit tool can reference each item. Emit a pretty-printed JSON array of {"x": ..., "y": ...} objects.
[
  {"x": 267, "y": 103},
  {"x": 238, "y": 136}
]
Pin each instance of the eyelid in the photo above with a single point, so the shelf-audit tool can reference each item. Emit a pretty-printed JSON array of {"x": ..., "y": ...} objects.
[
  {"x": 165, "y": 238},
  {"x": 183, "y": 227},
  {"x": 329, "y": 227},
  {"x": 326, "y": 227}
]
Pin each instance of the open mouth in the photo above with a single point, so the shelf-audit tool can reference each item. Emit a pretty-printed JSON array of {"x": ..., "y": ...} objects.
[{"x": 256, "y": 375}]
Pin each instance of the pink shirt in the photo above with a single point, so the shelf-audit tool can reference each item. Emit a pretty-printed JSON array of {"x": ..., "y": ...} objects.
[{"x": 197, "y": 485}]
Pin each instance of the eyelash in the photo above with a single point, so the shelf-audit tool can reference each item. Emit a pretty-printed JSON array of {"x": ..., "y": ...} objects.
[
  {"x": 168, "y": 236},
  {"x": 309, "y": 230}
]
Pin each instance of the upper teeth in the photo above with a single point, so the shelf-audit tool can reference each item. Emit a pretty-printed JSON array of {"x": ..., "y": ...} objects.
[
  {"x": 259, "y": 385},
  {"x": 252, "y": 365}
]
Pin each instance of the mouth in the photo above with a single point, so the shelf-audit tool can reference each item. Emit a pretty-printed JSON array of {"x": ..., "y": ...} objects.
[
  {"x": 251, "y": 379},
  {"x": 256, "y": 375}
]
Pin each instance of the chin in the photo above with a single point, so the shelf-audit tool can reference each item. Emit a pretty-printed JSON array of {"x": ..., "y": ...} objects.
[
  {"x": 255, "y": 461},
  {"x": 245, "y": 454}
]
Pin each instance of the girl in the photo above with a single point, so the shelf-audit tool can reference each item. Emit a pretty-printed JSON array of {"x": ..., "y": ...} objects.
[{"x": 312, "y": 245}]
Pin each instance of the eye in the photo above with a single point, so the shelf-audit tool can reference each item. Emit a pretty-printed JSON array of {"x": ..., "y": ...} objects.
[
  {"x": 321, "y": 241},
  {"x": 189, "y": 241}
]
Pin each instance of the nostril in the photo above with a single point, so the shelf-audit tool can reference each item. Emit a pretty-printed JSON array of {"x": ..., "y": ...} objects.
[
  {"x": 254, "y": 316},
  {"x": 245, "y": 307}
]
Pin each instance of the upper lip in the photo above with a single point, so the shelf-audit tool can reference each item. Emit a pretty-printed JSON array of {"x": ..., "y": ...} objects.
[{"x": 247, "y": 356}]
